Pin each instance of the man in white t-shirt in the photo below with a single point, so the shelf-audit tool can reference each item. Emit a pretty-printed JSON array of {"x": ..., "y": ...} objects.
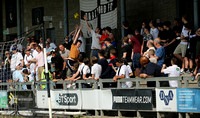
[
  {"x": 19, "y": 46},
  {"x": 96, "y": 68},
  {"x": 95, "y": 39},
  {"x": 53, "y": 45},
  {"x": 172, "y": 71},
  {"x": 122, "y": 72},
  {"x": 16, "y": 59}
]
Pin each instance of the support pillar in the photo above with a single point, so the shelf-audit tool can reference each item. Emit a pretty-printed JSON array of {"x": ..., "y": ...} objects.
[
  {"x": 18, "y": 18},
  {"x": 196, "y": 16},
  {"x": 66, "y": 32},
  {"x": 122, "y": 15}
]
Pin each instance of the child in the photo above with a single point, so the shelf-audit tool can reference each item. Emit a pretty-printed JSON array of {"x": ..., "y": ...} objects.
[
  {"x": 172, "y": 71},
  {"x": 96, "y": 68}
]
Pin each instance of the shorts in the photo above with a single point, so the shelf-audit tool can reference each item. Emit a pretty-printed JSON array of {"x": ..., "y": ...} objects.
[
  {"x": 70, "y": 63},
  {"x": 136, "y": 60},
  {"x": 190, "y": 54},
  {"x": 181, "y": 49}
]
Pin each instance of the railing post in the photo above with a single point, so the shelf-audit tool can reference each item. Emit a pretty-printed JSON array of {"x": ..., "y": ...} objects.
[
  {"x": 180, "y": 115},
  {"x": 158, "y": 115},
  {"x": 119, "y": 114},
  {"x": 138, "y": 114},
  {"x": 187, "y": 115}
]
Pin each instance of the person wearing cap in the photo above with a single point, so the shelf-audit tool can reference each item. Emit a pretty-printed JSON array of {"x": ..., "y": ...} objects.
[
  {"x": 16, "y": 59},
  {"x": 18, "y": 45},
  {"x": 95, "y": 39},
  {"x": 109, "y": 47},
  {"x": 122, "y": 73}
]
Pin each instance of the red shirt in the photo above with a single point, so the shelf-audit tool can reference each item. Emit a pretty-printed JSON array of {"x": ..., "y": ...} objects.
[
  {"x": 103, "y": 36},
  {"x": 137, "y": 42}
]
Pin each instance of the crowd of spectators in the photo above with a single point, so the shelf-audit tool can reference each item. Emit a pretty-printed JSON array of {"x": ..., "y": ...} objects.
[{"x": 154, "y": 50}]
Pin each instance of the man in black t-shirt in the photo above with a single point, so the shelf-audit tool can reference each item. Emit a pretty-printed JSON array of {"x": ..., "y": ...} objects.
[
  {"x": 126, "y": 50},
  {"x": 59, "y": 64},
  {"x": 102, "y": 61}
]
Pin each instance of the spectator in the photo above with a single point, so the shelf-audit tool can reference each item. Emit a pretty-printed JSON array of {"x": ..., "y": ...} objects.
[
  {"x": 127, "y": 29},
  {"x": 59, "y": 64},
  {"x": 18, "y": 45},
  {"x": 48, "y": 51},
  {"x": 136, "y": 53},
  {"x": 196, "y": 72},
  {"x": 82, "y": 47},
  {"x": 126, "y": 50},
  {"x": 67, "y": 43},
  {"x": 129, "y": 68},
  {"x": 172, "y": 71},
  {"x": 142, "y": 32},
  {"x": 198, "y": 42},
  {"x": 180, "y": 50},
  {"x": 146, "y": 37},
  {"x": 41, "y": 43},
  {"x": 111, "y": 36},
  {"x": 16, "y": 59},
  {"x": 109, "y": 72},
  {"x": 154, "y": 31},
  {"x": 85, "y": 73},
  {"x": 103, "y": 36},
  {"x": 102, "y": 61},
  {"x": 109, "y": 46},
  {"x": 17, "y": 76},
  {"x": 5, "y": 72},
  {"x": 177, "y": 26},
  {"x": 28, "y": 56},
  {"x": 149, "y": 69},
  {"x": 150, "y": 46},
  {"x": 53, "y": 45},
  {"x": 95, "y": 39},
  {"x": 191, "y": 49},
  {"x": 28, "y": 39},
  {"x": 160, "y": 52},
  {"x": 64, "y": 53},
  {"x": 39, "y": 62},
  {"x": 162, "y": 33},
  {"x": 96, "y": 68},
  {"x": 152, "y": 57},
  {"x": 74, "y": 52},
  {"x": 122, "y": 73}
]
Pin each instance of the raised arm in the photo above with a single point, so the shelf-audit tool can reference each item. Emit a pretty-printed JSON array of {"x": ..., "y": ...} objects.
[
  {"x": 88, "y": 26},
  {"x": 77, "y": 34}
]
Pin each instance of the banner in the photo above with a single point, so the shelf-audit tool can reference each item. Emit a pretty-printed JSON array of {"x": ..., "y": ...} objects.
[
  {"x": 66, "y": 99},
  {"x": 3, "y": 99},
  {"x": 188, "y": 100},
  {"x": 42, "y": 99},
  {"x": 100, "y": 13},
  {"x": 135, "y": 99},
  {"x": 166, "y": 100},
  {"x": 21, "y": 99}
]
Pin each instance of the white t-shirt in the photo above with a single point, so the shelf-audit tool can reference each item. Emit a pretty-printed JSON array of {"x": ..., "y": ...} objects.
[
  {"x": 153, "y": 48},
  {"x": 172, "y": 71},
  {"x": 15, "y": 60},
  {"x": 96, "y": 70},
  {"x": 123, "y": 70},
  {"x": 86, "y": 70},
  {"x": 19, "y": 47},
  {"x": 32, "y": 65},
  {"x": 154, "y": 32},
  {"x": 82, "y": 47},
  {"x": 34, "y": 53},
  {"x": 185, "y": 34},
  {"x": 95, "y": 40},
  {"x": 129, "y": 69},
  {"x": 80, "y": 68},
  {"x": 153, "y": 60}
]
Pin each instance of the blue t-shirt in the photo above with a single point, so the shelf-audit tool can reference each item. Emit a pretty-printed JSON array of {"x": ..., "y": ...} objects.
[
  {"x": 18, "y": 75},
  {"x": 160, "y": 52}
]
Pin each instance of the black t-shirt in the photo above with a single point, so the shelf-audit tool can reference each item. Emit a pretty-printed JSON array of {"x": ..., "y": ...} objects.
[
  {"x": 58, "y": 61},
  {"x": 127, "y": 49},
  {"x": 107, "y": 51},
  {"x": 104, "y": 64},
  {"x": 67, "y": 45},
  {"x": 151, "y": 69}
]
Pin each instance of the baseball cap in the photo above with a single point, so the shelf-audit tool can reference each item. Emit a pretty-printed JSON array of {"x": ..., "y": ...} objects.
[{"x": 14, "y": 48}]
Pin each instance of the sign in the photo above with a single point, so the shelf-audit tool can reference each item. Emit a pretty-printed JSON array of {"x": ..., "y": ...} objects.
[
  {"x": 5, "y": 32},
  {"x": 3, "y": 99},
  {"x": 100, "y": 13},
  {"x": 188, "y": 100},
  {"x": 21, "y": 99},
  {"x": 66, "y": 99},
  {"x": 166, "y": 100},
  {"x": 136, "y": 99},
  {"x": 42, "y": 99}
]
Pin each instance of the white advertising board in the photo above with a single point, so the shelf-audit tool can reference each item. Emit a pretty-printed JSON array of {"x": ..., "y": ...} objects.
[{"x": 166, "y": 100}]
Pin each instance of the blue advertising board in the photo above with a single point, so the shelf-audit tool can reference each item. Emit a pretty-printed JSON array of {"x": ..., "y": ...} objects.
[{"x": 188, "y": 100}]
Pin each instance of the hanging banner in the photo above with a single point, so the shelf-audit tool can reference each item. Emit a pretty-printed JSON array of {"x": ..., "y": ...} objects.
[
  {"x": 135, "y": 99},
  {"x": 100, "y": 13},
  {"x": 188, "y": 100},
  {"x": 166, "y": 100},
  {"x": 3, "y": 99}
]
